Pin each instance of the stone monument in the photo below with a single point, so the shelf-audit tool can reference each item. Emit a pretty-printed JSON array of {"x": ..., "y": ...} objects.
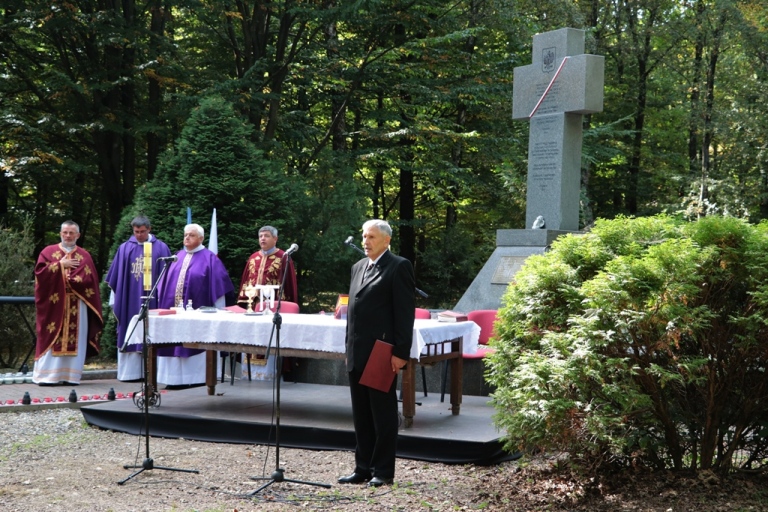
[{"x": 552, "y": 93}]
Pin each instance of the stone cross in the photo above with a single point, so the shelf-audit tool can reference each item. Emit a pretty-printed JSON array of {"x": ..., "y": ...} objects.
[{"x": 553, "y": 92}]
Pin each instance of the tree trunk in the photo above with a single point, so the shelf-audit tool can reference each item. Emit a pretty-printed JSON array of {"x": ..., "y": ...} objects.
[{"x": 407, "y": 233}]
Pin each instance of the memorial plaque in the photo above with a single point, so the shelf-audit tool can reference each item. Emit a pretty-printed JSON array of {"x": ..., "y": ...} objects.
[{"x": 507, "y": 268}]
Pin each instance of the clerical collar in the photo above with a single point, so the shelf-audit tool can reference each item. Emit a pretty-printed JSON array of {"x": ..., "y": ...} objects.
[
  {"x": 271, "y": 251},
  {"x": 196, "y": 249},
  {"x": 68, "y": 248}
]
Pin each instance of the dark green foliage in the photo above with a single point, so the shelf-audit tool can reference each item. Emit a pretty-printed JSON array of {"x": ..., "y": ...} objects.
[
  {"x": 108, "y": 340},
  {"x": 333, "y": 211},
  {"x": 16, "y": 280},
  {"x": 640, "y": 342},
  {"x": 447, "y": 267},
  {"x": 215, "y": 165},
  {"x": 393, "y": 109}
]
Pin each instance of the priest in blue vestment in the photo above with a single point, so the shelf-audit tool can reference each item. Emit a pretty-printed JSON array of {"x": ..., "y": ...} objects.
[
  {"x": 199, "y": 276},
  {"x": 126, "y": 281}
]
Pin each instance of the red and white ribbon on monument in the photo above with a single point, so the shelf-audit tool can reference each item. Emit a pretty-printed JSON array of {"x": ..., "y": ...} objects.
[{"x": 546, "y": 91}]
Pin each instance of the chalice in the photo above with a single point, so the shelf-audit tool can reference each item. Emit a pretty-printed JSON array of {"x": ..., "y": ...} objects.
[{"x": 250, "y": 292}]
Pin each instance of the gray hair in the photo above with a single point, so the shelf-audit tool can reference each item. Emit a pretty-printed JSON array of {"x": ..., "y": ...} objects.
[
  {"x": 271, "y": 229},
  {"x": 196, "y": 227},
  {"x": 69, "y": 223},
  {"x": 140, "y": 221},
  {"x": 382, "y": 225}
]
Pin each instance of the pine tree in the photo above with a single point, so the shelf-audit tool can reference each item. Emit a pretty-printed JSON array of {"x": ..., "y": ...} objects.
[{"x": 215, "y": 165}]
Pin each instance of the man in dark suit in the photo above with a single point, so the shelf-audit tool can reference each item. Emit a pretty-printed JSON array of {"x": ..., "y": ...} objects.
[{"x": 381, "y": 306}]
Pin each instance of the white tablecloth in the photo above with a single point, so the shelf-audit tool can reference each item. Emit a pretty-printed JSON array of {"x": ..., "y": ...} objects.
[{"x": 306, "y": 332}]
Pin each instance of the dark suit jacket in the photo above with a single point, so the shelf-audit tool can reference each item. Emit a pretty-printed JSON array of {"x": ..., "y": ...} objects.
[{"x": 381, "y": 308}]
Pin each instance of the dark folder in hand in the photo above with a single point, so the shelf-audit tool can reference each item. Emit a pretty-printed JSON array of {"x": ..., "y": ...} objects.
[{"x": 378, "y": 373}]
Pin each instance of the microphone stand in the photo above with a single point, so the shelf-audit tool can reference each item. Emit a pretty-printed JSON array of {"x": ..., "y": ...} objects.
[
  {"x": 278, "y": 475},
  {"x": 148, "y": 395}
]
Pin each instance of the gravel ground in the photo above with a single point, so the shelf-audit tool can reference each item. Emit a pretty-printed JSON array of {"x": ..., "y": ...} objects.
[{"x": 52, "y": 460}]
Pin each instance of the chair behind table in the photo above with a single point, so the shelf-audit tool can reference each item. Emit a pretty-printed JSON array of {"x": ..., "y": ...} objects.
[{"x": 485, "y": 319}]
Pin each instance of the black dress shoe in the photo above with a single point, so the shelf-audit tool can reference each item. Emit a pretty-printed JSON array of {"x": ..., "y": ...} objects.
[
  {"x": 378, "y": 481},
  {"x": 354, "y": 478}
]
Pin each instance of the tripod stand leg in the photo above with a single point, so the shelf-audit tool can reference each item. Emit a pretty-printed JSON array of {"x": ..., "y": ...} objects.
[
  {"x": 150, "y": 464},
  {"x": 257, "y": 491},
  {"x": 277, "y": 476}
]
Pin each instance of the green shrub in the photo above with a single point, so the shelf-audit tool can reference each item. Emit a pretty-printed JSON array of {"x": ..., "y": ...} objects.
[
  {"x": 16, "y": 280},
  {"x": 643, "y": 341}
]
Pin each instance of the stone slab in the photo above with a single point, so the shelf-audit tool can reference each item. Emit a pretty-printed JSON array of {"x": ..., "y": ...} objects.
[{"x": 554, "y": 171}]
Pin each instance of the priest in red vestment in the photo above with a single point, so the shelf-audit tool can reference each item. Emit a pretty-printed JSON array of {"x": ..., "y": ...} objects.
[
  {"x": 267, "y": 266},
  {"x": 68, "y": 307}
]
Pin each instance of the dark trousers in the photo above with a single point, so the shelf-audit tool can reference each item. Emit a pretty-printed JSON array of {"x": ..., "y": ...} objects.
[{"x": 374, "y": 414}]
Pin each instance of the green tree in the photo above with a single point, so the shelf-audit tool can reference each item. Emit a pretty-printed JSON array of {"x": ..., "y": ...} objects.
[
  {"x": 74, "y": 113},
  {"x": 385, "y": 108},
  {"x": 216, "y": 165}
]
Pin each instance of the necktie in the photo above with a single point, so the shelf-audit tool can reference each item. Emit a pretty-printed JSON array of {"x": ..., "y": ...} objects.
[{"x": 367, "y": 272}]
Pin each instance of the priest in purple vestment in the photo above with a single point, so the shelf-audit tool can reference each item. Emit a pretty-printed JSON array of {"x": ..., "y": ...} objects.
[
  {"x": 200, "y": 277},
  {"x": 126, "y": 280}
]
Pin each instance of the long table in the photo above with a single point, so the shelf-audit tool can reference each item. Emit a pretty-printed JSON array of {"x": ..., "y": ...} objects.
[{"x": 302, "y": 335}]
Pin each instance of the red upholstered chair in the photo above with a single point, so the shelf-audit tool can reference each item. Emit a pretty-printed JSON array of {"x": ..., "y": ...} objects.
[
  {"x": 287, "y": 307},
  {"x": 485, "y": 318},
  {"x": 423, "y": 314}
]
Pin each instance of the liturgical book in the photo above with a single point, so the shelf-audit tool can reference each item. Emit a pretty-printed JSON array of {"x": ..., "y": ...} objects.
[
  {"x": 161, "y": 312},
  {"x": 451, "y": 316},
  {"x": 378, "y": 373}
]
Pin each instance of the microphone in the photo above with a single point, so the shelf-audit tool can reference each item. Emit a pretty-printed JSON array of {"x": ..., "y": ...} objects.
[
  {"x": 168, "y": 258},
  {"x": 292, "y": 249},
  {"x": 348, "y": 243}
]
